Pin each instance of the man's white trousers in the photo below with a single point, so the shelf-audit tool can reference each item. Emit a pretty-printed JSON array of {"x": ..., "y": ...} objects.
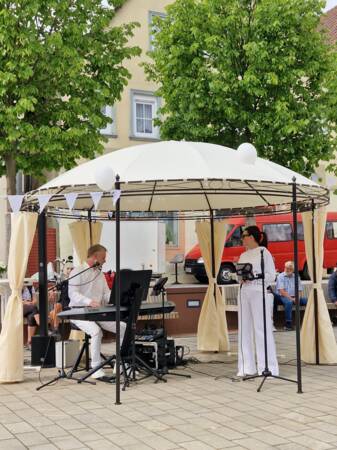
[{"x": 94, "y": 330}]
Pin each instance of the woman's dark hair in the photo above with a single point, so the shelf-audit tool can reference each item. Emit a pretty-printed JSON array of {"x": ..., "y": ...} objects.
[{"x": 260, "y": 237}]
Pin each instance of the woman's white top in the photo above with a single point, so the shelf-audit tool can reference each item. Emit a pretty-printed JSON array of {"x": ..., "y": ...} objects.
[{"x": 253, "y": 256}]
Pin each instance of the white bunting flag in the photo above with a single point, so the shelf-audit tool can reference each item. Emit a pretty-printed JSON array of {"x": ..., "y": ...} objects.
[
  {"x": 71, "y": 199},
  {"x": 43, "y": 199},
  {"x": 96, "y": 197},
  {"x": 15, "y": 202},
  {"x": 115, "y": 196}
]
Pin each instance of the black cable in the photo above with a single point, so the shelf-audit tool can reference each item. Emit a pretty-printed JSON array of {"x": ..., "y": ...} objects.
[
  {"x": 87, "y": 282},
  {"x": 44, "y": 360}
]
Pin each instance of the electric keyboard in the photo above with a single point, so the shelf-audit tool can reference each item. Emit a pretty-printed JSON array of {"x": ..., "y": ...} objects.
[{"x": 108, "y": 312}]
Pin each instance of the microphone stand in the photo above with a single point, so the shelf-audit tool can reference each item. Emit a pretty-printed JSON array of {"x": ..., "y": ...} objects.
[
  {"x": 62, "y": 373},
  {"x": 266, "y": 373}
]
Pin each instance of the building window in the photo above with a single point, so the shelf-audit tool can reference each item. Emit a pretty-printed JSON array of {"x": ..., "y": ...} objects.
[
  {"x": 154, "y": 28},
  {"x": 172, "y": 231},
  {"x": 110, "y": 129},
  {"x": 144, "y": 111}
]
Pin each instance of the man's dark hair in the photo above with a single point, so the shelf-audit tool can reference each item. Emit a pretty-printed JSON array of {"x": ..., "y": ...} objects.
[{"x": 96, "y": 248}]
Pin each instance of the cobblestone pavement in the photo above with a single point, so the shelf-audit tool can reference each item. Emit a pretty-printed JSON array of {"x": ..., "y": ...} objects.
[{"x": 203, "y": 412}]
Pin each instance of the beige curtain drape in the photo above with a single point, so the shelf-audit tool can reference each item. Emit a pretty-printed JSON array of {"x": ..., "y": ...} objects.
[
  {"x": 326, "y": 338},
  {"x": 80, "y": 233},
  {"x": 212, "y": 326},
  {"x": 11, "y": 338}
]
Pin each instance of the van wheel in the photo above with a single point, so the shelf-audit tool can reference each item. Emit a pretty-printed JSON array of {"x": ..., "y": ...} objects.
[
  {"x": 305, "y": 272},
  {"x": 225, "y": 275}
]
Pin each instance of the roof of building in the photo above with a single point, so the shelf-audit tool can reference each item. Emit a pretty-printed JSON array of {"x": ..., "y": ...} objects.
[{"x": 329, "y": 22}]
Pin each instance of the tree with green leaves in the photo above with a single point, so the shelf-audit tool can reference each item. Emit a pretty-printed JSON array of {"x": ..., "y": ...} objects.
[
  {"x": 258, "y": 71},
  {"x": 61, "y": 62}
]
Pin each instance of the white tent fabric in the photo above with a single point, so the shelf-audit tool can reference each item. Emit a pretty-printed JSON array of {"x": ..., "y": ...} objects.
[
  {"x": 212, "y": 326},
  {"x": 11, "y": 338},
  {"x": 181, "y": 176},
  {"x": 326, "y": 337},
  {"x": 83, "y": 237}
]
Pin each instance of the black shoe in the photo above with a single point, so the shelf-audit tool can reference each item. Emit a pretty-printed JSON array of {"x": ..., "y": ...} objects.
[{"x": 288, "y": 328}]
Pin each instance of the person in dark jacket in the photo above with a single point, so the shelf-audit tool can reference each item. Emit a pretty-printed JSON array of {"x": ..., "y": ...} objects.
[{"x": 332, "y": 288}]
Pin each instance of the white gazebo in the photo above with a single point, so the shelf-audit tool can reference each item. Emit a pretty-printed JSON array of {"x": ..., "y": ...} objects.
[{"x": 193, "y": 180}]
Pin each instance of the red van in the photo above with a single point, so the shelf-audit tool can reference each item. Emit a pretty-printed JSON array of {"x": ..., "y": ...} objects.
[{"x": 279, "y": 231}]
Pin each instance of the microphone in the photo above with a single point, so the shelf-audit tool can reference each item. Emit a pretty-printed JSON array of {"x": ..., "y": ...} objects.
[{"x": 96, "y": 264}]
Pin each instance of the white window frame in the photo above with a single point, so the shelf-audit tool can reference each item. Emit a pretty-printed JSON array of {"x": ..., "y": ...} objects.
[
  {"x": 153, "y": 14},
  {"x": 146, "y": 98},
  {"x": 110, "y": 129}
]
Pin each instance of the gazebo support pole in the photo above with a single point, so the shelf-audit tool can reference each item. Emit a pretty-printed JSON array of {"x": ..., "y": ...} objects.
[
  {"x": 297, "y": 302},
  {"x": 117, "y": 296},
  {"x": 314, "y": 281},
  {"x": 43, "y": 277},
  {"x": 214, "y": 275},
  {"x": 43, "y": 346}
]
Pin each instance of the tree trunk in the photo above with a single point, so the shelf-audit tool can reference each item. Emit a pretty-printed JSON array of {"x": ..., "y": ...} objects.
[
  {"x": 10, "y": 174},
  {"x": 11, "y": 190}
]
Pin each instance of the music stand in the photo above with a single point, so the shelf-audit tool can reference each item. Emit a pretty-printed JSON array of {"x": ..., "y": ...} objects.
[
  {"x": 178, "y": 259},
  {"x": 134, "y": 296}
]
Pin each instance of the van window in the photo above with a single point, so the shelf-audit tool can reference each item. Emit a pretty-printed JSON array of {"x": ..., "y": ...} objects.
[
  {"x": 277, "y": 232},
  {"x": 331, "y": 230},
  {"x": 235, "y": 239},
  {"x": 300, "y": 231}
]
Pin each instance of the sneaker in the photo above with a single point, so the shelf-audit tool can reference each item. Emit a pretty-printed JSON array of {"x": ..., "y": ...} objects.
[
  {"x": 98, "y": 374},
  {"x": 288, "y": 328}
]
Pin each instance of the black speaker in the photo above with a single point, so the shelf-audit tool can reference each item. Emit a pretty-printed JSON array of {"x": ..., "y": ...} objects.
[{"x": 43, "y": 351}]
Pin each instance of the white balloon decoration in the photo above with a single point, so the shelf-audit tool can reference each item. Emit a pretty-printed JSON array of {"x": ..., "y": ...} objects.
[
  {"x": 105, "y": 178},
  {"x": 247, "y": 153}
]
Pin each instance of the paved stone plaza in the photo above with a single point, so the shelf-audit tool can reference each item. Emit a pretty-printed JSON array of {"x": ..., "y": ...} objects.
[{"x": 198, "y": 413}]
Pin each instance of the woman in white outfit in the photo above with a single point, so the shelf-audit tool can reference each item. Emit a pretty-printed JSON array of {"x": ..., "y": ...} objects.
[{"x": 250, "y": 303}]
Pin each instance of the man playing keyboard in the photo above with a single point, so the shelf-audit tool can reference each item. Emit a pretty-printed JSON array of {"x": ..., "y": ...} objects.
[{"x": 90, "y": 289}]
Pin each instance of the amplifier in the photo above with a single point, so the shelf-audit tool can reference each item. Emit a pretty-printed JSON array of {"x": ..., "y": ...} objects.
[
  {"x": 70, "y": 349},
  {"x": 159, "y": 354}
]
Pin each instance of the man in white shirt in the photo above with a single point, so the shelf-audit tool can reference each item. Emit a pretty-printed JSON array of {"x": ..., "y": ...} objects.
[{"x": 90, "y": 289}]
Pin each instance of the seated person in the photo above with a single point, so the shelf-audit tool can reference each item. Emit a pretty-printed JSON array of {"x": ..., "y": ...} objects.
[
  {"x": 332, "y": 293},
  {"x": 30, "y": 310},
  {"x": 91, "y": 289},
  {"x": 62, "y": 302},
  {"x": 285, "y": 292},
  {"x": 332, "y": 288}
]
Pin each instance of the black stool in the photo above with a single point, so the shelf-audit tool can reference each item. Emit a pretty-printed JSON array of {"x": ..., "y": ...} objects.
[{"x": 83, "y": 350}]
